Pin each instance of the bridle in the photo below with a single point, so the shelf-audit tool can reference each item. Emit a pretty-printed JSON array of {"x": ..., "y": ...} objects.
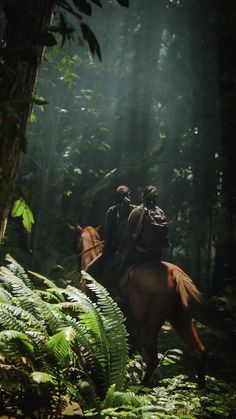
[{"x": 92, "y": 247}]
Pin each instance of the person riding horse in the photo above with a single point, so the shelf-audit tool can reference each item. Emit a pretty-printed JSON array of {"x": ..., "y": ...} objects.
[
  {"x": 114, "y": 228},
  {"x": 147, "y": 230}
]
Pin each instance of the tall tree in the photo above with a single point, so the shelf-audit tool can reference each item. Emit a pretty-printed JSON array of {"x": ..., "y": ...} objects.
[
  {"x": 26, "y": 23},
  {"x": 25, "y": 36}
]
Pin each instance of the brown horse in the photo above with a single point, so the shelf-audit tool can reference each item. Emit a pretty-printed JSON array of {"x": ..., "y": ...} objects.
[
  {"x": 156, "y": 292},
  {"x": 89, "y": 245}
]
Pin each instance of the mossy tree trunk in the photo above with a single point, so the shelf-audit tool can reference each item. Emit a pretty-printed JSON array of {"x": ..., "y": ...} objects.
[{"x": 27, "y": 23}]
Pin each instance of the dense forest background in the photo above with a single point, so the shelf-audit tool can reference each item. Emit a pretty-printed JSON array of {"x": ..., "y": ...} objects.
[{"x": 157, "y": 110}]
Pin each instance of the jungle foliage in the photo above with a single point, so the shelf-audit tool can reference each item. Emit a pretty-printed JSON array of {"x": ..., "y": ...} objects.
[
  {"x": 63, "y": 355},
  {"x": 149, "y": 113},
  {"x": 25, "y": 31},
  {"x": 158, "y": 109}
]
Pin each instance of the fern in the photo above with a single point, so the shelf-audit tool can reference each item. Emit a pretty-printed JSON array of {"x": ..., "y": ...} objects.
[
  {"x": 43, "y": 279},
  {"x": 42, "y": 377},
  {"x": 18, "y": 271},
  {"x": 12, "y": 342},
  {"x": 115, "y": 331},
  {"x": 59, "y": 346},
  {"x": 13, "y": 284},
  {"x": 19, "y": 313},
  {"x": 91, "y": 338},
  {"x": 46, "y": 332},
  {"x": 5, "y": 296}
]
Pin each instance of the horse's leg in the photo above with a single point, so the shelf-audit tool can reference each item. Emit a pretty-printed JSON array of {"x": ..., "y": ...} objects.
[
  {"x": 149, "y": 336},
  {"x": 183, "y": 324}
]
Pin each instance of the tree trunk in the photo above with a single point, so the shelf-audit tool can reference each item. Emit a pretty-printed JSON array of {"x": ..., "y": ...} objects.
[
  {"x": 27, "y": 20},
  {"x": 227, "y": 69}
]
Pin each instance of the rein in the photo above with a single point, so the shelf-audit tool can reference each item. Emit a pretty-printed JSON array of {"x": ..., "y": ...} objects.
[{"x": 92, "y": 247}]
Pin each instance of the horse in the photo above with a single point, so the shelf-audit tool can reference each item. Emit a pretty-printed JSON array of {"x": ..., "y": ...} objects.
[
  {"x": 156, "y": 292},
  {"x": 89, "y": 245}
]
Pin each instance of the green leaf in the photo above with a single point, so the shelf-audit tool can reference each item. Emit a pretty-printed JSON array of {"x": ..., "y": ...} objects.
[
  {"x": 78, "y": 170},
  {"x": 18, "y": 207},
  {"x": 28, "y": 218},
  {"x": 42, "y": 377},
  {"x": 91, "y": 39},
  {"x": 39, "y": 100}
]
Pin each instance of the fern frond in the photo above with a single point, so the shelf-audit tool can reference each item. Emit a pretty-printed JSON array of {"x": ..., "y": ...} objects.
[
  {"x": 4, "y": 295},
  {"x": 42, "y": 377},
  {"x": 42, "y": 278},
  {"x": 47, "y": 296},
  {"x": 18, "y": 271},
  {"x": 73, "y": 294},
  {"x": 108, "y": 401},
  {"x": 12, "y": 283},
  {"x": 9, "y": 321},
  {"x": 30, "y": 322},
  {"x": 126, "y": 398},
  {"x": 91, "y": 341},
  {"x": 13, "y": 342},
  {"x": 115, "y": 331},
  {"x": 59, "y": 345}
]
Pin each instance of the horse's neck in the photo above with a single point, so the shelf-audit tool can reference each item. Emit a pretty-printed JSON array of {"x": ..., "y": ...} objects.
[{"x": 86, "y": 240}]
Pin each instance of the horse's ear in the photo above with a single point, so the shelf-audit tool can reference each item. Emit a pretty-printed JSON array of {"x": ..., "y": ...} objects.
[{"x": 78, "y": 228}]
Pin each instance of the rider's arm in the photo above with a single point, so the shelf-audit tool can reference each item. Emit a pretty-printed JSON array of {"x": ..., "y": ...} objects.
[{"x": 133, "y": 226}]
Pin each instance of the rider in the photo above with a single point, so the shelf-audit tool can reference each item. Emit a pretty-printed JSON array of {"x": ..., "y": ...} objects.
[
  {"x": 114, "y": 228},
  {"x": 147, "y": 229}
]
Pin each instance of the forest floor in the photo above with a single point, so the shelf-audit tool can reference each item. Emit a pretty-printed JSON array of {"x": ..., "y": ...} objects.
[{"x": 175, "y": 393}]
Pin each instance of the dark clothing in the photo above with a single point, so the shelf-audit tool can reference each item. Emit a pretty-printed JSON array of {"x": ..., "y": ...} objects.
[
  {"x": 115, "y": 227},
  {"x": 147, "y": 233}
]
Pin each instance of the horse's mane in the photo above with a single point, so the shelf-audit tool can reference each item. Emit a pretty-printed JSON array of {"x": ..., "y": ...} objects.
[
  {"x": 95, "y": 238},
  {"x": 184, "y": 283}
]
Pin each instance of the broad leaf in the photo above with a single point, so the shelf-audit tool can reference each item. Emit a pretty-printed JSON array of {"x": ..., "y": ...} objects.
[
  {"x": 91, "y": 39},
  {"x": 18, "y": 207},
  {"x": 28, "y": 219}
]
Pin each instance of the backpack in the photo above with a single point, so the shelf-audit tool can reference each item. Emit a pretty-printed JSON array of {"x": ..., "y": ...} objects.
[{"x": 154, "y": 230}]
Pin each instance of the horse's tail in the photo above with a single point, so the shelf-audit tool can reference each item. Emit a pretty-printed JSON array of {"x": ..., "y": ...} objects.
[{"x": 187, "y": 289}]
